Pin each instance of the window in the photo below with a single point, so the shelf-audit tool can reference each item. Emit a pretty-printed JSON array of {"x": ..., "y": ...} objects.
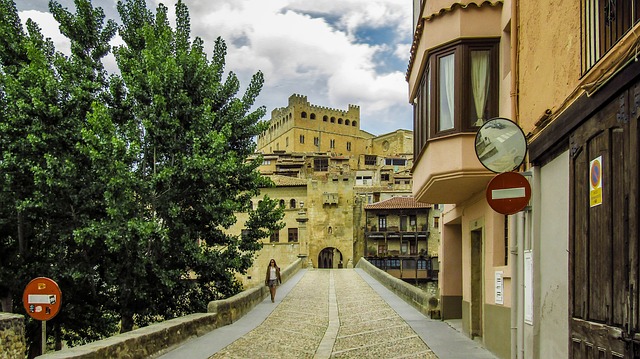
[
  {"x": 316, "y": 141},
  {"x": 395, "y": 162},
  {"x": 348, "y": 146},
  {"x": 332, "y": 144},
  {"x": 403, "y": 223},
  {"x": 282, "y": 203},
  {"x": 436, "y": 222},
  {"x": 370, "y": 160},
  {"x": 412, "y": 221},
  {"x": 603, "y": 24},
  {"x": 447, "y": 88},
  {"x": 340, "y": 121},
  {"x": 293, "y": 234},
  {"x": 304, "y": 114},
  {"x": 325, "y": 118},
  {"x": 275, "y": 237},
  {"x": 422, "y": 264},
  {"x": 382, "y": 223},
  {"x": 384, "y": 177},
  {"x": 333, "y": 119},
  {"x": 363, "y": 180},
  {"x": 312, "y": 116},
  {"x": 301, "y": 138},
  {"x": 292, "y": 203},
  {"x": 321, "y": 164},
  {"x": 458, "y": 90}
]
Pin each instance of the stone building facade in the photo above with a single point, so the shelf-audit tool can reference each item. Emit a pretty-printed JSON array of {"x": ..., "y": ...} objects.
[{"x": 324, "y": 186}]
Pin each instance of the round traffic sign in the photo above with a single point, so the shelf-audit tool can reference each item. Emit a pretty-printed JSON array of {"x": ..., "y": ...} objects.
[
  {"x": 508, "y": 193},
  {"x": 42, "y": 298}
]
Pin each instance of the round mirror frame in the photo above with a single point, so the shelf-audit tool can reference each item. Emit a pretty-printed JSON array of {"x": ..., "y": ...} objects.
[{"x": 500, "y": 145}]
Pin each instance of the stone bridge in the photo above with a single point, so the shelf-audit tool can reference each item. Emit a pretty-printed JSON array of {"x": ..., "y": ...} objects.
[{"x": 318, "y": 313}]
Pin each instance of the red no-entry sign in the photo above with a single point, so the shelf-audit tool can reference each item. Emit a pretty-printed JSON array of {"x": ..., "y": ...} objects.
[
  {"x": 42, "y": 298},
  {"x": 508, "y": 193}
]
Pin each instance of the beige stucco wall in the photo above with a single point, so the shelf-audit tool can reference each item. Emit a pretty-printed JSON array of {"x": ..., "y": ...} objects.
[
  {"x": 479, "y": 215},
  {"x": 549, "y": 66}
]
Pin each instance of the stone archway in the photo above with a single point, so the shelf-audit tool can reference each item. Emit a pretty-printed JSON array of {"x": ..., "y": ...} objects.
[{"x": 330, "y": 257}]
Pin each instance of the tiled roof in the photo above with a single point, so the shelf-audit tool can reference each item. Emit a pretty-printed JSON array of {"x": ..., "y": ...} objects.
[
  {"x": 398, "y": 203},
  {"x": 284, "y": 181}
]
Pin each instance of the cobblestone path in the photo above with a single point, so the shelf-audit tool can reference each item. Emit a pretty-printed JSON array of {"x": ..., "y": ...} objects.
[{"x": 330, "y": 314}]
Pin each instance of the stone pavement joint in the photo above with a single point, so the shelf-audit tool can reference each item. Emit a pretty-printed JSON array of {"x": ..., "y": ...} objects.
[
  {"x": 329, "y": 339},
  {"x": 337, "y": 313}
]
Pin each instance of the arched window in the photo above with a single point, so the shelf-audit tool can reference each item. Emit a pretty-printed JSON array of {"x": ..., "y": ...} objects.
[
  {"x": 282, "y": 203},
  {"x": 292, "y": 203},
  {"x": 303, "y": 115},
  {"x": 347, "y": 122},
  {"x": 354, "y": 123},
  {"x": 312, "y": 116},
  {"x": 333, "y": 119},
  {"x": 340, "y": 121},
  {"x": 325, "y": 118}
]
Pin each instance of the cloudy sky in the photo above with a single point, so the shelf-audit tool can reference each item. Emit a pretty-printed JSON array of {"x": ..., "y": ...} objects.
[{"x": 336, "y": 52}]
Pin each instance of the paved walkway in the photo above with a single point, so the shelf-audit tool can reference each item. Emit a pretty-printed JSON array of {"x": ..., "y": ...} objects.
[{"x": 340, "y": 313}]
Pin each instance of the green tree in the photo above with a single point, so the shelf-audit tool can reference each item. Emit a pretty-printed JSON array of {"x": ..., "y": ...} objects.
[
  {"x": 122, "y": 187},
  {"x": 48, "y": 192},
  {"x": 191, "y": 170}
]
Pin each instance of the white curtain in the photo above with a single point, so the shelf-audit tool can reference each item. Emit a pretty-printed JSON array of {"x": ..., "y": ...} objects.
[
  {"x": 447, "y": 88},
  {"x": 480, "y": 82}
]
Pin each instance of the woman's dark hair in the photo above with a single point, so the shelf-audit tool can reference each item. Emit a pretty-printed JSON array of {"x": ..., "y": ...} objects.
[{"x": 274, "y": 262}]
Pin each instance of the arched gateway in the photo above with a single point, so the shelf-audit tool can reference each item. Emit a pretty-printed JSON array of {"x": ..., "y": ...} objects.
[{"x": 330, "y": 257}]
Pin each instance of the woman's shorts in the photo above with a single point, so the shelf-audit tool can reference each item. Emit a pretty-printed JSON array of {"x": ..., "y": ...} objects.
[{"x": 273, "y": 282}]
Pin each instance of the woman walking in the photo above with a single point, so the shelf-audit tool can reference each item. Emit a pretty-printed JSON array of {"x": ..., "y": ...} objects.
[{"x": 273, "y": 278}]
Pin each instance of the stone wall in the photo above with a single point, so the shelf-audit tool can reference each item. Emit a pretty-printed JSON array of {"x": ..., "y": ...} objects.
[
  {"x": 418, "y": 298},
  {"x": 159, "y": 338},
  {"x": 12, "y": 339}
]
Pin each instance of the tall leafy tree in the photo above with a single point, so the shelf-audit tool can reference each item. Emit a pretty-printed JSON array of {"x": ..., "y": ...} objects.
[
  {"x": 191, "y": 169},
  {"x": 48, "y": 192},
  {"x": 122, "y": 187}
]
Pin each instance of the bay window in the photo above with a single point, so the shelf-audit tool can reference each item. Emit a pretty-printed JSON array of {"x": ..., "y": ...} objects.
[{"x": 458, "y": 90}]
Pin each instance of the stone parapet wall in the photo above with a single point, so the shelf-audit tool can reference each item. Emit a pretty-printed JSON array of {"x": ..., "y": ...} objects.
[
  {"x": 231, "y": 309},
  {"x": 159, "y": 338},
  {"x": 12, "y": 340},
  {"x": 415, "y": 296}
]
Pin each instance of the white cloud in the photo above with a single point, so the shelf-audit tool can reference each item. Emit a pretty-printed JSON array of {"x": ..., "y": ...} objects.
[{"x": 310, "y": 48}]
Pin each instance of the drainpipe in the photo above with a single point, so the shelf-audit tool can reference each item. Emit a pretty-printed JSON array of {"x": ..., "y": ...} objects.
[
  {"x": 515, "y": 222},
  {"x": 513, "y": 258},
  {"x": 520, "y": 288}
]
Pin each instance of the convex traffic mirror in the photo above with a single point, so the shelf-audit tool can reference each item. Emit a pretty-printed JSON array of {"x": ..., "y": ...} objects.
[{"x": 501, "y": 145}]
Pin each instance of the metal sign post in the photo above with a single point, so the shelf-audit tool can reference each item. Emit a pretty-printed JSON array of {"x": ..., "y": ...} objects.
[{"x": 42, "y": 299}]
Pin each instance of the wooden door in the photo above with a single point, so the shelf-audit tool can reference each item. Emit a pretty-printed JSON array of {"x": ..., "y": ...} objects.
[{"x": 604, "y": 239}]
